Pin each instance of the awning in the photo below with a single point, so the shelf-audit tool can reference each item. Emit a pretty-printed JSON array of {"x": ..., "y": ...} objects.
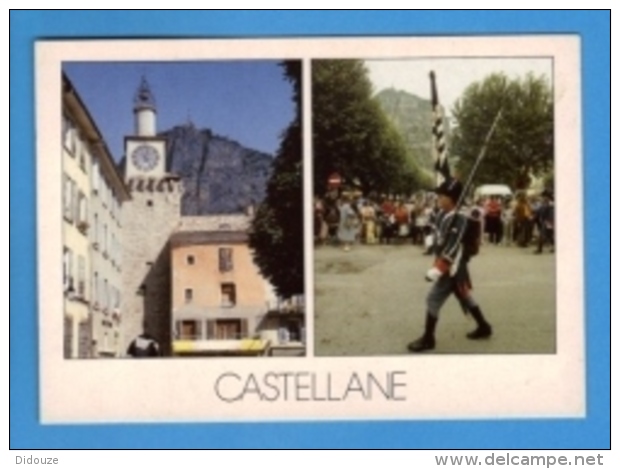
[{"x": 230, "y": 347}]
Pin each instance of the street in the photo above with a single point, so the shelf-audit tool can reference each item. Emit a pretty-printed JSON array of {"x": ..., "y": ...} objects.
[{"x": 371, "y": 302}]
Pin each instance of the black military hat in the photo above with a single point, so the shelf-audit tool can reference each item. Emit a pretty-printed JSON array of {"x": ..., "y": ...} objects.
[{"x": 451, "y": 188}]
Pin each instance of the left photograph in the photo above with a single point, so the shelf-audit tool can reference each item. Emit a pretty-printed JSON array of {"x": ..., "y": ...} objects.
[{"x": 182, "y": 209}]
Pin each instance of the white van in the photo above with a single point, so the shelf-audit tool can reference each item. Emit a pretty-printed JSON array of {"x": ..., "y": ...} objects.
[{"x": 490, "y": 190}]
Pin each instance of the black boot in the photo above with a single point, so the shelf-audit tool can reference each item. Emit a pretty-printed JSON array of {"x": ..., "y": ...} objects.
[
  {"x": 484, "y": 328},
  {"x": 427, "y": 341}
]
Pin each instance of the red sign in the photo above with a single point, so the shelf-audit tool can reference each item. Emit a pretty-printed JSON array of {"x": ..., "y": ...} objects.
[{"x": 334, "y": 179}]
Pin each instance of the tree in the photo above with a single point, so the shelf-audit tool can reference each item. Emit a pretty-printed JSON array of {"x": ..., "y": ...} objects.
[
  {"x": 351, "y": 134},
  {"x": 522, "y": 143},
  {"x": 277, "y": 233}
]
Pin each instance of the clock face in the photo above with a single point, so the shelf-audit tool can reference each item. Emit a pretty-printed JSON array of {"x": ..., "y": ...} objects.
[{"x": 145, "y": 157}]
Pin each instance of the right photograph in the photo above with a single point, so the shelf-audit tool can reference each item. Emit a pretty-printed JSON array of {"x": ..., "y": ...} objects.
[{"x": 433, "y": 210}]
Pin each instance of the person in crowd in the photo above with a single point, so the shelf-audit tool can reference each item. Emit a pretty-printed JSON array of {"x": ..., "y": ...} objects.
[
  {"x": 544, "y": 218},
  {"x": 493, "y": 219},
  {"x": 332, "y": 219},
  {"x": 320, "y": 226},
  {"x": 348, "y": 227},
  {"x": 508, "y": 220},
  {"x": 387, "y": 221},
  {"x": 368, "y": 220},
  {"x": 401, "y": 216},
  {"x": 523, "y": 217},
  {"x": 420, "y": 222}
]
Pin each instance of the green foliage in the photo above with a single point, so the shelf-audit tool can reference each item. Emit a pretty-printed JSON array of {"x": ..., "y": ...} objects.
[
  {"x": 523, "y": 140},
  {"x": 352, "y": 135},
  {"x": 276, "y": 236}
]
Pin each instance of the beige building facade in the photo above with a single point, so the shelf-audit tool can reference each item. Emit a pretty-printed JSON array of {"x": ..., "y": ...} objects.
[
  {"x": 108, "y": 195},
  {"x": 93, "y": 194},
  {"x": 221, "y": 304}
]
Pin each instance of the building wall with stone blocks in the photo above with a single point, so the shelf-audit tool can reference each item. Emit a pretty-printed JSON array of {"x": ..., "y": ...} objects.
[{"x": 149, "y": 219}]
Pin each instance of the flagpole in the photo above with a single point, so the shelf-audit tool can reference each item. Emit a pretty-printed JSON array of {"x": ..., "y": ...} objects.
[
  {"x": 442, "y": 169},
  {"x": 479, "y": 159}
]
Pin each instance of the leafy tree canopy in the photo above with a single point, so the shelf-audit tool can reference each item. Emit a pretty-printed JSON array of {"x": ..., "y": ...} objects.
[
  {"x": 277, "y": 234},
  {"x": 352, "y": 135},
  {"x": 522, "y": 143}
]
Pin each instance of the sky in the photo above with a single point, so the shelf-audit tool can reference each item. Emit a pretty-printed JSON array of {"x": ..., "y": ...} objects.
[
  {"x": 453, "y": 75},
  {"x": 246, "y": 101}
]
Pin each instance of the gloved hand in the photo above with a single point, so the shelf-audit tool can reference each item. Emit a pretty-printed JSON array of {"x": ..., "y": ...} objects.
[{"x": 433, "y": 274}]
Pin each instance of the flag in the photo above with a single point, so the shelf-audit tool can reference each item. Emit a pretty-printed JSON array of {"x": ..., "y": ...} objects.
[{"x": 442, "y": 168}]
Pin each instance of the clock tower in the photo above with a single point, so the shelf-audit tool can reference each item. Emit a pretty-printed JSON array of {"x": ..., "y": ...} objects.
[
  {"x": 145, "y": 152},
  {"x": 149, "y": 219}
]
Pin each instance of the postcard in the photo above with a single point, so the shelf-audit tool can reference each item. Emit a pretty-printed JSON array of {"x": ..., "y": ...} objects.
[{"x": 310, "y": 229}]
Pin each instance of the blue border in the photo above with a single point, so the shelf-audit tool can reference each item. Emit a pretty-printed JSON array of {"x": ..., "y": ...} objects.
[{"x": 590, "y": 433}]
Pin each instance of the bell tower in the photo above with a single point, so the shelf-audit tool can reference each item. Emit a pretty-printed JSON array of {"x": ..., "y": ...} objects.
[
  {"x": 145, "y": 110},
  {"x": 145, "y": 152},
  {"x": 149, "y": 219}
]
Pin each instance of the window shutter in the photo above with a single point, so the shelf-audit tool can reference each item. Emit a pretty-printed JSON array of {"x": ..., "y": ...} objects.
[
  {"x": 210, "y": 329},
  {"x": 244, "y": 328}
]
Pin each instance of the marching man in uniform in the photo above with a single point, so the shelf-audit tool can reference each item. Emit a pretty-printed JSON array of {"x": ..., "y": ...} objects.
[{"x": 449, "y": 273}]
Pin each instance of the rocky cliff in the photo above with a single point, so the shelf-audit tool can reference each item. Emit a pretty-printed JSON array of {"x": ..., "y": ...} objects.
[
  {"x": 413, "y": 118},
  {"x": 219, "y": 175}
]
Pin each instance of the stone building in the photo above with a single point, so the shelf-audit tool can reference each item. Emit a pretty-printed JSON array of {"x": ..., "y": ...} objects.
[
  {"x": 149, "y": 219},
  {"x": 93, "y": 194},
  {"x": 190, "y": 282}
]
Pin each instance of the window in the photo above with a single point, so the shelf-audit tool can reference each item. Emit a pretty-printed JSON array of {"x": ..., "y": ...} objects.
[
  {"x": 229, "y": 295},
  {"x": 96, "y": 231},
  {"x": 227, "y": 329},
  {"x": 67, "y": 269},
  {"x": 68, "y": 135},
  {"x": 96, "y": 288},
  {"x": 191, "y": 260},
  {"x": 68, "y": 196},
  {"x": 75, "y": 200},
  {"x": 100, "y": 238},
  {"x": 105, "y": 238},
  {"x": 189, "y": 295},
  {"x": 81, "y": 286},
  {"x": 113, "y": 204},
  {"x": 111, "y": 246},
  {"x": 82, "y": 212},
  {"x": 188, "y": 330},
  {"x": 110, "y": 197},
  {"x": 66, "y": 131},
  {"x": 95, "y": 176},
  {"x": 104, "y": 193},
  {"x": 105, "y": 293},
  {"x": 73, "y": 141},
  {"x": 226, "y": 259},
  {"x": 82, "y": 159},
  {"x": 149, "y": 203}
]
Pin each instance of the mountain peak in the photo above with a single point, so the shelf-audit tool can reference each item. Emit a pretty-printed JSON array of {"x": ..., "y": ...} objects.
[
  {"x": 412, "y": 117},
  {"x": 220, "y": 175}
]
